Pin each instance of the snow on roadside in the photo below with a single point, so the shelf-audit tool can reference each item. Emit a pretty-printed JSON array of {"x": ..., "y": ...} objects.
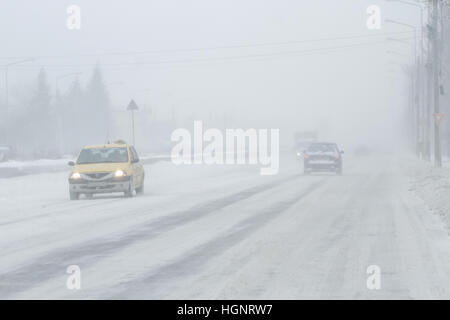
[
  {"x": 57, "y": 162},
  {"x": 433, "y": 186},
  {"x": 14, "y": 168},
  {"x": 34, "y": 163}
]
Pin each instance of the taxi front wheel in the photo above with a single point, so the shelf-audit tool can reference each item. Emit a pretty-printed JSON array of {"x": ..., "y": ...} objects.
[
  {"x": 74, "y": 195},
  {"x": 129, "y": 192}
]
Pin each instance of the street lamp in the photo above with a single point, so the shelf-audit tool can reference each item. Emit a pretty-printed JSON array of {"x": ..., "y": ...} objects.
[
  {"x": 416, "y": 85},
  {"x": 421, "y": 62},
  {"x": 409, "y": 26},
  {"x": 415, "y": 106},
  {"x": 6, "y": 66},
  {"x": 421, "y": 8}
]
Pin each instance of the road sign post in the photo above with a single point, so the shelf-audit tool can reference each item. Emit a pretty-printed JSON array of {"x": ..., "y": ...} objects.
[{"x": 132, "y": 106}]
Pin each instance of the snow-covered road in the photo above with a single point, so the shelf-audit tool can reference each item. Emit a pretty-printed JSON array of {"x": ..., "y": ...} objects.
[{"x": 204, "y": 232}]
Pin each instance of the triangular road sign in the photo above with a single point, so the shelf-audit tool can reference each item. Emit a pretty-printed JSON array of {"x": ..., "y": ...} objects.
[{"x": 132, "y": 105}]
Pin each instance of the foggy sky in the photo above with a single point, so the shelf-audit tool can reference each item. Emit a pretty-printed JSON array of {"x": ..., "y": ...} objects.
[{"x": 348, "y": 94}]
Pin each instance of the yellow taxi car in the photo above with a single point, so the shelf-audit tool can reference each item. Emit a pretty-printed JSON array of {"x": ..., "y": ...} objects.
[{"x": 106, "y": 168}]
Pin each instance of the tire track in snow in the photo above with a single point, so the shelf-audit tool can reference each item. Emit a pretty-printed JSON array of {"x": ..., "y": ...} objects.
[
  {"x": 194, "y": 260},
  {"x": 55, "y": 263},
  {"x": 60, "y": 211},
  {"x": 62, "y": 206}
]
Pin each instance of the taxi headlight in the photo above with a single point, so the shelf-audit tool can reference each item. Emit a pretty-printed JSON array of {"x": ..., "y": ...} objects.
[
  {"x": 119, "y": 173},
  {"x": 75, "y": 175}
]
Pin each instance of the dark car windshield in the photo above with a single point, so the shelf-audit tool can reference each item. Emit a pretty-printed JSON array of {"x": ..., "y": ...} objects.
[
  {"x": 322, "y": 147},
  {"x": 100, "y": 155}
]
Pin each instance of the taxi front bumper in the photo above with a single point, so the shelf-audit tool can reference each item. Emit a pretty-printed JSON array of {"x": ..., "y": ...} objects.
[{"x": 103, "y": 186}]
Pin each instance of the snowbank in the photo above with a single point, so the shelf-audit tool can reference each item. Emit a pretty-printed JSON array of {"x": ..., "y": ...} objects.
[
  {"x": 433, "y": 186},
  {"x": 34, "y": 163},
  {"x": 15, "y": 168}
]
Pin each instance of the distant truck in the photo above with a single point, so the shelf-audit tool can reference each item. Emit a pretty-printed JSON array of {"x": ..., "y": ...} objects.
[{"x": 302, "y": 140}]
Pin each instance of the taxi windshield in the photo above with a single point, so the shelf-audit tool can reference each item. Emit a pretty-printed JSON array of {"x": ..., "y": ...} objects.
[{"x": 101, "y": 155}]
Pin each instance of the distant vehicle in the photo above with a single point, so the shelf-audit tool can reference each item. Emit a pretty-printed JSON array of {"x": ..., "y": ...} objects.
[
  {"x": 323, "y": 156},
  {"x": 302, "y": 140},
  {"x": 106, "y": 168}
]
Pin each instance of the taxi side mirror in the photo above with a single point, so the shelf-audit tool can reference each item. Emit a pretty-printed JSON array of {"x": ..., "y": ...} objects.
[{"x": 71, "y": 163}]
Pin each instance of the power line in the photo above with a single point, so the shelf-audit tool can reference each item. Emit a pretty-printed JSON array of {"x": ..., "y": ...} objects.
[
  {"x": 213, "y": 59},
  {"x": 254, "y": 45}
]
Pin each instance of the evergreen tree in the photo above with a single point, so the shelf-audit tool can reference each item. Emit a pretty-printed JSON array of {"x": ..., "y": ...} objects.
[
  {"x": 97, "y": 104},
  {"x": 42, "y": 119},
  {"x": 74, "y": 118}
]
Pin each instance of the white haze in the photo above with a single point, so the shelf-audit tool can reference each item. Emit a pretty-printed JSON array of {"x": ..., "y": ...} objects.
[{"x": 348, "y": 94}]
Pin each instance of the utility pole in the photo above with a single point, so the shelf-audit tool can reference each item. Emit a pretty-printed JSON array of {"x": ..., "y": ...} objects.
[
  {"x": 421, "y": 73},
  {"x": 429, "y": 96},
  {"x": 420, "y": 100},
  {"x": 436, "y": 72}
]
